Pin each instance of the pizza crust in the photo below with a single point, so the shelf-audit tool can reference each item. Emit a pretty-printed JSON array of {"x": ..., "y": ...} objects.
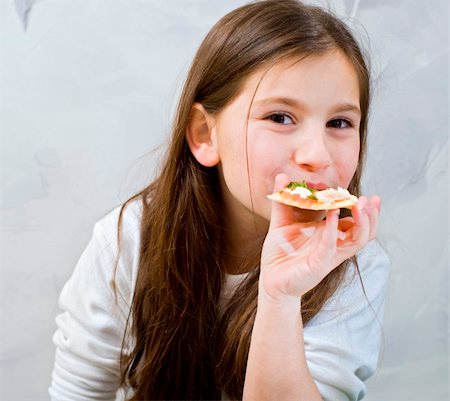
[{"x": 311, "y": 204}]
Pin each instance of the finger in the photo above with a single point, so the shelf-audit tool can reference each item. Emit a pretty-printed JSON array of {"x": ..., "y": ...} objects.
[
  {"x": 281, "y": 214},
  {"x": 376, "y": 201},
  {"x": 373, "y": 209},
  {"x": 373, "y": 212},
  {"x": 360, "y": 230},
  {"x": 327, "y": 245}
]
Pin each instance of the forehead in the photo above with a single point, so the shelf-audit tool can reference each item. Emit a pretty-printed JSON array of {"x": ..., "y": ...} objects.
[{"x": 328, "y": 77}]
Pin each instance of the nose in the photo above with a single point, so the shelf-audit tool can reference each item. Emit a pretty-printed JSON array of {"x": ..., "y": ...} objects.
[{"x": 312, "y": 152}]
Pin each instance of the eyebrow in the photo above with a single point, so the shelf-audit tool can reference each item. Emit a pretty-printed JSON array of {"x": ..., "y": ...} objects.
[
  {"x": 288, "y": 101},
  {"x": 292, "y": 102}
]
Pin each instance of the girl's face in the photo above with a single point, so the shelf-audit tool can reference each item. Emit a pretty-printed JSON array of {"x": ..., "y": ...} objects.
[{"x": 303, "y": 121}]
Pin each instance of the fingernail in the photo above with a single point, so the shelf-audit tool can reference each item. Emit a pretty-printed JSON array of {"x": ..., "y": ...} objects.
[{"x": 341, "y": 235}]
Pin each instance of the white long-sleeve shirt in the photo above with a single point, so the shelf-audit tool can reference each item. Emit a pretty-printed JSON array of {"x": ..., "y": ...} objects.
[{"x": 342, "y": 342}]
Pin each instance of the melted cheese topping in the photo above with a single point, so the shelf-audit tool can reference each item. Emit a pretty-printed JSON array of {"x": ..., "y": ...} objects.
[
  {"x": 332, "y": 195},
  {"x": 302, "y": 192}
]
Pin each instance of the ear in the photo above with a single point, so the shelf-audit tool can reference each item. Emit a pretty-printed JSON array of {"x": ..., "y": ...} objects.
[{"x": 201, "y": 138}]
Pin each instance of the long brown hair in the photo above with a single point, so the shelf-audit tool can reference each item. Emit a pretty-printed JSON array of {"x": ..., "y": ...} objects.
[{"x": 184, "y": 347}]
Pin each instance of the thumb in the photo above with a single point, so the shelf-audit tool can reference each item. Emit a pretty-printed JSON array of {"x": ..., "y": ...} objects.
[{"x": 281, "y": 214}]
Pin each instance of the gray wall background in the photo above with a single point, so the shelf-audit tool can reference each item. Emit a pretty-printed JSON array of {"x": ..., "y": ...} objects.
[{"x": 86, "y": 95}]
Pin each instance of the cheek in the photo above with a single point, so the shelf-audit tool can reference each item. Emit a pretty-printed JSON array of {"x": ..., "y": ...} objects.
[
  {"x": 266, "y": 158},
  {"x": 347, "y": 164},
  {"x": 233, "y": 163},
  {"x": 231, "y": 147}
]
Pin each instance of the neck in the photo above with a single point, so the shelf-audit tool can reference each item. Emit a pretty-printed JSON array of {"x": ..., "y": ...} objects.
[
  {"x": 243, "y": 253},
  {"x": 245, "y": 236}
]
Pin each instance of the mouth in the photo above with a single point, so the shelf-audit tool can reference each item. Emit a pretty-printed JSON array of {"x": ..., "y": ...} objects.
[{"x": 318, "y": 186}]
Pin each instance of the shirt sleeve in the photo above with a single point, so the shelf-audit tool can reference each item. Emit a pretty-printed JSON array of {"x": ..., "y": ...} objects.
[
  {"x": 91, "y": 326},
  {"x": 342, "y": 342}
]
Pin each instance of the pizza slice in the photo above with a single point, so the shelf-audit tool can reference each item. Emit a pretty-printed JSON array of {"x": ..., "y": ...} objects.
[{"x": 298, "y": 194}]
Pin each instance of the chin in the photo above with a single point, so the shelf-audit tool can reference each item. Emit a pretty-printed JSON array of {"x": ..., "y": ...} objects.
[{"x": 263, "y": 214}]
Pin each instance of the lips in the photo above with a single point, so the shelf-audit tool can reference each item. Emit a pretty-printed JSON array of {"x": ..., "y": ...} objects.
[{"x": 319, "y": 186}]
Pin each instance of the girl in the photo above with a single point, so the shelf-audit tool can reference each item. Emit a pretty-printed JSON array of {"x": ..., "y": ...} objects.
[{"x": 198, "y": 287}]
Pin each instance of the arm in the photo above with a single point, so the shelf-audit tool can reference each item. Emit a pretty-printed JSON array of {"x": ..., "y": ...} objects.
[
  {"x": 277, "y": 368},
  {"x": 295, "y": 258},
  {"x": 89, "y": 332}
]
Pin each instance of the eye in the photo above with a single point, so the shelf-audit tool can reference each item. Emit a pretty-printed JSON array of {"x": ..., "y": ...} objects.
[
  {"x": 339, "y": 123},
  {"x": 280, "y": 118}
]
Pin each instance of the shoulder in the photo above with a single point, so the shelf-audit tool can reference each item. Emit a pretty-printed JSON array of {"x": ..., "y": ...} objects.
[
  {"x": 130, "y": 215},
  {"x": 373, "y": 253},
  {"x": 374, "y": 267},
  {"x": 118, "y": 239},
  {"x": 95, "y": 304},
  {"x": 342, "y": 342},
  {"x": 365, "y": 281},
  {"x": 363, "y": 289},
  {"x": 116, "y": 236},
  {"x": 109, "y": 264}
]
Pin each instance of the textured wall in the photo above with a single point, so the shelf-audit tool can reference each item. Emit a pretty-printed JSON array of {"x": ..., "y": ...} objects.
[{"x": 86, "y": 94}]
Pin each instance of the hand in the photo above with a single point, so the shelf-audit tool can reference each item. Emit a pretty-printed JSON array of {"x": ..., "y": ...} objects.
[{"x": 297, "y": 256}]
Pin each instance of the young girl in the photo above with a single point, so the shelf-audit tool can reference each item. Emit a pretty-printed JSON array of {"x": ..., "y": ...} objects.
[{"x": 201, "y": 288}]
